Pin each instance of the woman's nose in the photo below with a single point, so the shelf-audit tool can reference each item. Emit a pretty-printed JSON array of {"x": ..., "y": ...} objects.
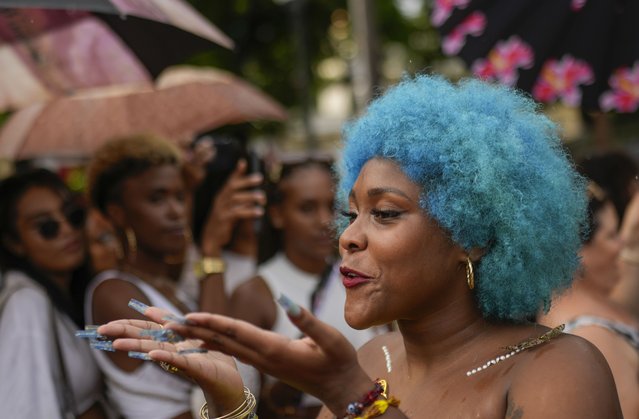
[{"x": 352, "y": 239}]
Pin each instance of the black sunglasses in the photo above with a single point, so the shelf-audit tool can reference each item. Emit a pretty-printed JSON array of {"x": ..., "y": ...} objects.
[{"x": 49, "y": 227}]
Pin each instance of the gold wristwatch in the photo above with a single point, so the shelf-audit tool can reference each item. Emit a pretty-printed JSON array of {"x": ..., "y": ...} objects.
[{"x": 209, "y": 266}]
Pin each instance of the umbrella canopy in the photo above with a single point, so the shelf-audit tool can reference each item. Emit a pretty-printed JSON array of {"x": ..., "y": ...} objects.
[
  {"x": 579, "y": 52},
  {"x": 63, "y": 46},
  {"x": 185, "y": 102}
]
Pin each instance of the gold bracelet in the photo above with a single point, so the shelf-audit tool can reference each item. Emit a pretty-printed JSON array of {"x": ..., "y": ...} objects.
[
  {"x": 630, "y": 256},
  {"x": 243, "y": 411}
]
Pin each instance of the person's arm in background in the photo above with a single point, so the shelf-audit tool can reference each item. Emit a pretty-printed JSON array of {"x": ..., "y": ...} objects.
[
  {"x": 626, "y": 292},
  {"x": 237, "y": 200}
]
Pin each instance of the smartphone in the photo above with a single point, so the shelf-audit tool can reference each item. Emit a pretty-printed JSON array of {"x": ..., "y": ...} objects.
[{"x": 255, "y": 166}]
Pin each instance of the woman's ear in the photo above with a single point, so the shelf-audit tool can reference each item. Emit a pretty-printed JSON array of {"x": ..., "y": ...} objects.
[
  {"x": 116, "y": 215},
  {"x": 476, "y": 253}
]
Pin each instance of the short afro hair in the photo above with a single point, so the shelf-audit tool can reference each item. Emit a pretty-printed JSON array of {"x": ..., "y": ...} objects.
[
  {"x": 122, "y": 158},
  {"x": 493, "y": 175}
]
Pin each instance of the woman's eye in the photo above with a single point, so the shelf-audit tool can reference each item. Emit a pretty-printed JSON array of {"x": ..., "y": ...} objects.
[
  {"x": 349, "y": 215},
  {"x": 385, "y": 214}
]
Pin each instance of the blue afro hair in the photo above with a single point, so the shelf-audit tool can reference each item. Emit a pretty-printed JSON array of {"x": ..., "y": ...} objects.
[{"x": 493, "y": 174}]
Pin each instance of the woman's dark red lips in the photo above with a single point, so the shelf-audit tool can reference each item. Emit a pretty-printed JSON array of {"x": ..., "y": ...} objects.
[{"x": 352, "y": 272}]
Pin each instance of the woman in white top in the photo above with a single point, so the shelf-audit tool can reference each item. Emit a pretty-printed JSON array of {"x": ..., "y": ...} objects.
[
  {"x": 46, "y": 370},
  {"x": 137, "y": 183}
]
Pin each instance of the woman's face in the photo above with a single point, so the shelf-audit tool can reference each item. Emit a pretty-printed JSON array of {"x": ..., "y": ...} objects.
[
  {"x": 49, "y": 231},
  {"x": 153, "y": 205},
  {"x": 397, "y": 262},
  {"x": 104, "y": 248},
  {"x": 306, "y": 213},
  {"x": 599, "y": 256}
]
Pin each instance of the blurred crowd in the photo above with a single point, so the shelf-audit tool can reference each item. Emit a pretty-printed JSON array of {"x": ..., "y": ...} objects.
[{"x": 203, "y": 228}]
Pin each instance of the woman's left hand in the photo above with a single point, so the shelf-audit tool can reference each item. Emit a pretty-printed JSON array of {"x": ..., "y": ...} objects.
[{"x": 213, "y": 371}]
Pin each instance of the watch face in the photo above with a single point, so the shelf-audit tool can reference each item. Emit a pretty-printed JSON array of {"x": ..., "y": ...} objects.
[{"x": 209, "y": 266}]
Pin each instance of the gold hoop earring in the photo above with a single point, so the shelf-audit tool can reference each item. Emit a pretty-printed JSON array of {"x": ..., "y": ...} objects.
[
  {"x": 470, "y": 274},
  {"x": 131, "y": 242}
]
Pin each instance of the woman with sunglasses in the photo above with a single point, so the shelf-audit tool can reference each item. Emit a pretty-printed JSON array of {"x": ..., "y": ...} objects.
[
  {"x": 137, "y": 183},
  {"x": 46, "y": 371}
]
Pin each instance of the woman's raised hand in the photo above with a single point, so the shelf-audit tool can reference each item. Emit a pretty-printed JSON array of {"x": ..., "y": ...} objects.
[
  {"x": 213, "y": 371},
  {"x": 238, "y": 199},
  {"x": 323, "y": 363}
]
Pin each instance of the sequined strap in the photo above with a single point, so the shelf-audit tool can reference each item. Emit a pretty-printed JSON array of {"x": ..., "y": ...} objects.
[{"x": 532, "y": 342}]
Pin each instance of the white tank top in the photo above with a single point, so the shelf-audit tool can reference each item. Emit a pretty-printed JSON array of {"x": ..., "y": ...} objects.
[{"x": 282, "y": 276}]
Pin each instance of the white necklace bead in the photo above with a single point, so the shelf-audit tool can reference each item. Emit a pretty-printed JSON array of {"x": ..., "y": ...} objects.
[{"x": 492, "y": 362}]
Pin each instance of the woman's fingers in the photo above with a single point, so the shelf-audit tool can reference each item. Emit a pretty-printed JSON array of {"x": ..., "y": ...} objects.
[
  {"x": 128, "y": 328},
  {"x": 329, "y": 339},
  {"x": 158, "y": 315},
  {"x": 225, "y": 337},
  {"x": 244, "y": 197},
  {"x": 142, "y": 345}
]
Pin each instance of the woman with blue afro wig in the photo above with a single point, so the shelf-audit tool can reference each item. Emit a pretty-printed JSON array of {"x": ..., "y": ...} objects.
[
  {"x": 462, "y": 216},
  {"x": 492, "y": 174}
]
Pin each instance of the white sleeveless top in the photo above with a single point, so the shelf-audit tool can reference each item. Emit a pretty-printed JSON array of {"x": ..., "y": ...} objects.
[
  {"x": 29, "y": 371},
  {"x": 149, "y": 391},
  {"x": 282, "y": 276}
]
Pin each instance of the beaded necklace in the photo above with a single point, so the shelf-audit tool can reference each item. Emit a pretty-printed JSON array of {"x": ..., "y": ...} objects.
[{"x": 515, "y": 349}]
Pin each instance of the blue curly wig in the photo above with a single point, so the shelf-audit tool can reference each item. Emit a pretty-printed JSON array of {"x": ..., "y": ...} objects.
[{"x": 493, "y": 174}]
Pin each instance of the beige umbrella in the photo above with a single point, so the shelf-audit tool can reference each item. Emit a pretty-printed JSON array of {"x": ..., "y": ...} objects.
[{"x": 185, "y": 101}]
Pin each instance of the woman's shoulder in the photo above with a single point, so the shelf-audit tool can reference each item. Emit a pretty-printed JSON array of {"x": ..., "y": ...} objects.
[
  {"x": 555, "y": 376},
  {"x": 20, "y": 292}
]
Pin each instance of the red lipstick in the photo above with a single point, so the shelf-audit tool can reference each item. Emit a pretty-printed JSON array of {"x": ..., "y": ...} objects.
[{"x": 351, "y": 278}]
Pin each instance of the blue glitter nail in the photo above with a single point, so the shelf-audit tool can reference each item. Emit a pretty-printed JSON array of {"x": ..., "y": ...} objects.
[
  {"x": 162, "y": 335},
  {"x": 89, "y": 334},
  {"x": 140, "y": 355},
  {"x": 138, "y": 306},
  {"x": 289, "y": 306},
  {"x": 102, "y": 345}
]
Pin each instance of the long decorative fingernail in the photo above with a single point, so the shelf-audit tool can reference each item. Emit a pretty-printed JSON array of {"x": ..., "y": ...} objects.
[
  {"x": 140, "y": 355},
  {"x": 291, "y": 308},
  {"x": 192, "y": 351},
  {"x": 102, "y": 345},
  {"x": 138, "y": 306},
  {"x": 89, "y": 334},
  {"x": 162, "y": 335},
  {"x": 175, "y": 318}
]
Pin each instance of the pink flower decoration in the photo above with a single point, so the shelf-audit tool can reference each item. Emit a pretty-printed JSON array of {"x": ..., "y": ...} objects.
[
  {"x": 624, "y": 95},
  {"x": 504, "y": 61},
  {"x": 561, "y": 80},
  {"x": 577, "y": 5},
  {"x": 472, "y": 25},
  {"x": 442, "y": 9}
]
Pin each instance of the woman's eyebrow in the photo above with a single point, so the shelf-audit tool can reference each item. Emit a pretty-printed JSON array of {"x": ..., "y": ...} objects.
[{"x": 384, "y": 190}]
